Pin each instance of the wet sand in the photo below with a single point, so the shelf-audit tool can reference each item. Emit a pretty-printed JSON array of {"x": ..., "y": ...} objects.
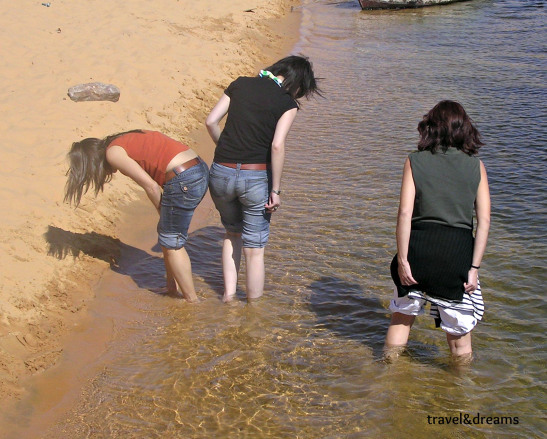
[{"x": 171, "y": 63}]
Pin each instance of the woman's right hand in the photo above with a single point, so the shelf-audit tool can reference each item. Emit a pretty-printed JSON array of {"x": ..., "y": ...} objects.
[{"x": 405, "y": 273}]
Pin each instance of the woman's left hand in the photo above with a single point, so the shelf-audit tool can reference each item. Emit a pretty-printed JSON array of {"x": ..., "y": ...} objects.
[
  {"x": 472, "y": 281},
  {"x": 273, "y": 202}
]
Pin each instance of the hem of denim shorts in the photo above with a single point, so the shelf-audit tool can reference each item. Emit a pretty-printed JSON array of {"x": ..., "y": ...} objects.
[
  {"x": 254, "y": 246},
  {"x": 168, "y": 247}
]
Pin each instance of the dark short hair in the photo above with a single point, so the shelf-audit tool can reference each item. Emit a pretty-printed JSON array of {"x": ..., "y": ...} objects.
[
  {"x": 299, "y": 79},
  {"x": 448, "y": 125}
]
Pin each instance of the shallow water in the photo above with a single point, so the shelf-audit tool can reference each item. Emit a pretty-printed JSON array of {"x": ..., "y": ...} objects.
[{"x": 304, "y": 362}]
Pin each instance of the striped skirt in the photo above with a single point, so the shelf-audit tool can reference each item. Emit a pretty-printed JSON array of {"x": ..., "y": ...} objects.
[{"x": 470, "y": 303}]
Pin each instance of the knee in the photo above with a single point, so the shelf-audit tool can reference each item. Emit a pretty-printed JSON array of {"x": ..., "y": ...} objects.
[
  {"x": 460, "y": 344},
  {"x": 253, "y": 253}
]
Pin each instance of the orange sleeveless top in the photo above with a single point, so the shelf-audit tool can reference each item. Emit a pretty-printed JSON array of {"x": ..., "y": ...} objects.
[{"x": 152, "y": 150}]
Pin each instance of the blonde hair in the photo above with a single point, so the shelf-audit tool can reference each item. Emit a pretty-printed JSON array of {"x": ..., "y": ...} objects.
[{"x": 88, "y": 167}]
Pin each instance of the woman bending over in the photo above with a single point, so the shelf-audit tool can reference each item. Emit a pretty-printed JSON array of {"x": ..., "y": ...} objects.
[{"x": 172, "y": 175}]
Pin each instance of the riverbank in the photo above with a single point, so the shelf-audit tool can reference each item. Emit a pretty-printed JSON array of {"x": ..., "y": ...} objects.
[{"x": 171, "y": 61}]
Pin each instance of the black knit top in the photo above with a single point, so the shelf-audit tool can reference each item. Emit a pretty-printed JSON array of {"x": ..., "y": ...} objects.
[{"x": 256, "y": 105}]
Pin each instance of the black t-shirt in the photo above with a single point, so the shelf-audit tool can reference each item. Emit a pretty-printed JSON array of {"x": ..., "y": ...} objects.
[{"x": 256, "y": 105}]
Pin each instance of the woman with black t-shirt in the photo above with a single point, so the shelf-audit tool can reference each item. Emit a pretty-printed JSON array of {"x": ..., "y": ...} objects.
[{"x": 245, "y": 179}]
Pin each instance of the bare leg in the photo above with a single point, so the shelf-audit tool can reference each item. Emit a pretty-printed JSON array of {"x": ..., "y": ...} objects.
[
  {"x": 171, "y": 283},
  {"x": 460, "y": 345},
  {"x": 231, "y": 259},
  {"x": 399, "y": 329},
  {"x": 178, "y": 265},
  {"x": 397, "y": 335},
  {"x": 254, "y": 260}
]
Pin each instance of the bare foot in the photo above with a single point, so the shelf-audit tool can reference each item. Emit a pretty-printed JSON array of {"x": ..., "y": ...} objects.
[
  {"x": 392, "y": 353},
  {"x": 461, "y": 361},
  {"x": 173, "y": 293},
  {"x": 164, "y": 291}
]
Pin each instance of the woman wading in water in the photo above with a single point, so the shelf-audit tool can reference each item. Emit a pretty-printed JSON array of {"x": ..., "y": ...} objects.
[
  {"x": 438, "y": 259},
  {"x": 246, "y": 172}
]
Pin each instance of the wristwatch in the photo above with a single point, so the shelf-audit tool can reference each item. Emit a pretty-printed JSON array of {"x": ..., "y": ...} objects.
[{"x": 276, "y": 192}]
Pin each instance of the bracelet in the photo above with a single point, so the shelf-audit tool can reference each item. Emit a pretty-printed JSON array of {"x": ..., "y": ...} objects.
[
  {"x": 475, "y": 267},
  {"x": 276, "y": 192}
]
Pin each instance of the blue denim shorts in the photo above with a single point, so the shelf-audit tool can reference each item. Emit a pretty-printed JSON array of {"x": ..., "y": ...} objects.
[
  {"x": 181, "y": 195},
  {"x": 240, "y": 197}
]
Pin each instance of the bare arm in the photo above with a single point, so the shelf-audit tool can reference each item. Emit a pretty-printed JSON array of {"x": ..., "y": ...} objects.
[
  {"x": 404, "y": 218},
  {"x": 117, "y": 158},
  {"x": 278, "y": 155},
  {"x": 215, "y": 116},
  {"x": 482, "y": 209}
]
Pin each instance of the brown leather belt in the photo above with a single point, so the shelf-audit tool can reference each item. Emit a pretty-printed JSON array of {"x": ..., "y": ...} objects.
[
  {"x": 180, "y": 168},
  {"x": 248, "y": 166}
]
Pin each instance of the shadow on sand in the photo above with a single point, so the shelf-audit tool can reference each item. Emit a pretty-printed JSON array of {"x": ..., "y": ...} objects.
[{"x": 145, "y": 269}]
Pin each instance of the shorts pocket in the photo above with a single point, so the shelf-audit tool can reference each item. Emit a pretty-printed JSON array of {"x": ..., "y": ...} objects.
[
  {"x": 218, "y": 185},
  {"x": 193, "y": 192},
  {"x": 256, "y": 191}
]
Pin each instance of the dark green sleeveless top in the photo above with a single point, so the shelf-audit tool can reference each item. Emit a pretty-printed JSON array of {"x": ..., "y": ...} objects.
[{"x": 446, "y": 187}]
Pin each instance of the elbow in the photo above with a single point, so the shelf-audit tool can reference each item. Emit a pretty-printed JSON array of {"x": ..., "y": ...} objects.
[
  {"x": 405, "y": 214},
  {"x": 210, "y": 122},
  {"x": 278, "y": 148}
]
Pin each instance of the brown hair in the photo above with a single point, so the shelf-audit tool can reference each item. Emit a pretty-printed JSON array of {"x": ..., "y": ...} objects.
[
  {"x": 448, "y": 125},
  {"x": 88, "y": 167}
]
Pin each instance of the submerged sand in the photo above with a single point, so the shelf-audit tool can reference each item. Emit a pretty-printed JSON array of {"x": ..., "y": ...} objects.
[{"x": 171, "y": 60}]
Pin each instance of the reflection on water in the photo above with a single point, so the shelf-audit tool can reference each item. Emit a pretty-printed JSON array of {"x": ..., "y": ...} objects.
[{"x": 304, "y": 361}]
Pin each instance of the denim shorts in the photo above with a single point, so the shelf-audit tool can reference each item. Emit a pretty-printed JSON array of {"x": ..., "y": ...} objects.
[
  {"x": 240, "y": 197},
  {"x": 181, "y": 195}
]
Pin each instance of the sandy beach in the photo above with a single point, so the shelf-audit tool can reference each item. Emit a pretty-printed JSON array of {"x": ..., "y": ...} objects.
[{"x": 171, "y": 61}]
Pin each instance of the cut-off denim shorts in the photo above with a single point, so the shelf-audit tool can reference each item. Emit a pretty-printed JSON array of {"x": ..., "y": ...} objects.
[
  {"x": 240, "y": 196},
  {"x": 181, "y": 196}
]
